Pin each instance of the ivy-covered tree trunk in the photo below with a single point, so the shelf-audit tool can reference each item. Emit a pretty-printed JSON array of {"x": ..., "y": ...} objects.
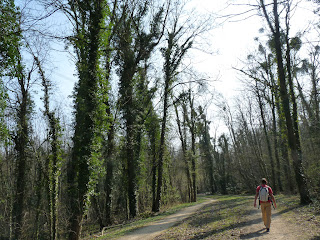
[
  {"x": 21, "y": 141},
  {"x": 168, "y": 71},
  {"x": 11, "y": 66},
  {"x": 108, "y": 182},
  {"x": 52, "y": 166},
  {"x": 296, "y": 151},
  {"x": 88, "y": 36},
  {"x": 281, "y": 143},
  {"x": 109, "y": 152}
]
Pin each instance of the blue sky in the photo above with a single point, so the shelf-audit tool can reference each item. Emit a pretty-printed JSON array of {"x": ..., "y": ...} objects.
[{"x": 231, "y": 41}]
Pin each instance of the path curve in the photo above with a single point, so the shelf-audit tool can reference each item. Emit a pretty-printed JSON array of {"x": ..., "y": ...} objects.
[{"x": 156, "y": 228}]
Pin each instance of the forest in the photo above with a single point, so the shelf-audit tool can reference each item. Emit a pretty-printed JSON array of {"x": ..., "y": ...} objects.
[{"x": 139, "y": 135}]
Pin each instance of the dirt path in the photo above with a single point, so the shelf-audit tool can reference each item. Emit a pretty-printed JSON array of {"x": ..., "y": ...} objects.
[
  {"x": 154, "y": 229},
  {"x": 214, "y": 219},
  {"x": 279, "y": 229}
]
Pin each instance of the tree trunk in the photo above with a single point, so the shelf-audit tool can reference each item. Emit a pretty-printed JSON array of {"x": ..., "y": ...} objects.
[
  {"x": 55, "y": 153},
  {"x": 192, "y": 129},
  {"x": 21, "y": 145},
  {"x": 162, "y": 145},
  {"x": 291, "y": 131},
  {"x": 131, "y": 160},
  {"x": 108, "y": 190},
  {"x": 86, "y": 105},
  {"x": 281, "y": 144},
  {"x": 273, "y": 175},
  {"x": 275, "y": 140},
  {"x": 205, "y": 146},
  {"x": 184, "y": 150},
  {"x": 173, "y": 55},
  {"x": 154, "y": 182}
]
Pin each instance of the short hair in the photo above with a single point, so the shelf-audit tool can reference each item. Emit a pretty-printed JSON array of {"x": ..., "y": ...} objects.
[{"x": 264, "y": 181}]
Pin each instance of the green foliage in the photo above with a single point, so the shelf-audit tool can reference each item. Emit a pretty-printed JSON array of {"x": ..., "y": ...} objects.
[
  {"x": 3, "y": 104},
  {"x": 9, "y": 37},
  {"x": 91, "y": 92},
  {"x": 134, "y": 44},
  {"x": 271, "y": 42},
  {"x": 91, "y": 119},
  {"x": 295, "y": 43},
  {"x": 9, "y": 42}
]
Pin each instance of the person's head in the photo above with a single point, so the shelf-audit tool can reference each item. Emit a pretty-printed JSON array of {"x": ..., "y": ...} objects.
[{"x": 264, "y": 181}]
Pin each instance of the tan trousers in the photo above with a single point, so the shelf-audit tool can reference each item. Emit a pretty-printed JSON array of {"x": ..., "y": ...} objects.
[{"x": 266, "y": 213}]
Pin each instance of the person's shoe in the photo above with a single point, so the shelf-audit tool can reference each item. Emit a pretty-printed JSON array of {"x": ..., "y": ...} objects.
[{"x": 268, "y": 229}]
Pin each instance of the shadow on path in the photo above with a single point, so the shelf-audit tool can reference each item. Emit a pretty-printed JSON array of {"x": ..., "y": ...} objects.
[
  {"x": 255, "y": 234},
  {"x": 315, "y": 238},
  {"x": 233, "y": 226},
  {"x": 248, "y": 224}
]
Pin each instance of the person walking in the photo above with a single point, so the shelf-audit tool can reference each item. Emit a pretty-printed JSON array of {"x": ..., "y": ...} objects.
[{"x": 265, "y": 194}]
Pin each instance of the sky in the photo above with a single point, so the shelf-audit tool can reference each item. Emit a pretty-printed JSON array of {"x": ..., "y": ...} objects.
[
  {"x": 234, "y": 40},
  {"x": 231, "y": 41}
]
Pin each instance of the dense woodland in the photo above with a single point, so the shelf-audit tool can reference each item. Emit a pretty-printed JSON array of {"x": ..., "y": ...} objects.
[{"x": 141, "y": 137}]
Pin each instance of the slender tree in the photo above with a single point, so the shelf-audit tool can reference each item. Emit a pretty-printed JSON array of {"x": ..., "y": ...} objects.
[
  {"x": 206, "y": 149},
  {"x": 53, "y": 165},
  {"x": 183, "y": 140},
  {"x": 173, "y": 54},
  {"x": 22, "y": 145},
  {"x": 153, "y": 130}
]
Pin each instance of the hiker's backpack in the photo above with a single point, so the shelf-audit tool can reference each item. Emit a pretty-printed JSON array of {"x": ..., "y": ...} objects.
[{"x": 264, "y": 194}]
